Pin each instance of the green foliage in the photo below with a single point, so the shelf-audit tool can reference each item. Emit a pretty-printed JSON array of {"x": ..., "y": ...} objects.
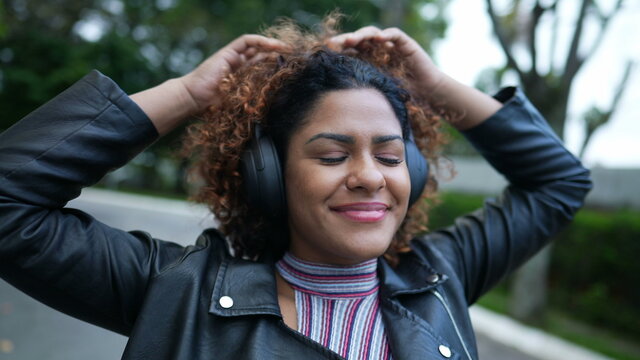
[
  {"x": 594, "y": 267},
  {"x": 141, "y": 43},
  {"x": 43, "y": 48},
  {"x": 561, "y": 323},
  {"x": 451, "y": 206},
  {"x": 457, "y": 145},
  {"x": 3, "y": 21}
]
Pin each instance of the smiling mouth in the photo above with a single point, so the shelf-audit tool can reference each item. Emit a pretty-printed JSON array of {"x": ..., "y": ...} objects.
[{"x": 362, "y": 212}]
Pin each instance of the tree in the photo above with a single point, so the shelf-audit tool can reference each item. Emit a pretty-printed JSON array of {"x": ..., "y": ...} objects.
[
  {"x": 46, "y": 46},
  {"x": 517, "y": 29},
  {"x": 595, "y": 117},
  {"x": 43, "y": 48}
]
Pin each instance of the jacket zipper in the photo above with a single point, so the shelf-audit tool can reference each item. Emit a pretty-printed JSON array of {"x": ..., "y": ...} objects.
[{"x": 455, "y": 326}]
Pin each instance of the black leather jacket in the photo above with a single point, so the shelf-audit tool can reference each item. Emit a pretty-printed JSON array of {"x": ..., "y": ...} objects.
[{"x": 166, "y": 297}]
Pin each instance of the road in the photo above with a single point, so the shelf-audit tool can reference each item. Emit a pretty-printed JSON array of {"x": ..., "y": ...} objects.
[{"x": 30, "y": 330}]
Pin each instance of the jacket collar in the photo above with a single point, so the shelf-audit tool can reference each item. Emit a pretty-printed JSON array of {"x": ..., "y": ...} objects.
[
  {"x": 413, "y": 277},
  {"x": 245, "y": 287}
]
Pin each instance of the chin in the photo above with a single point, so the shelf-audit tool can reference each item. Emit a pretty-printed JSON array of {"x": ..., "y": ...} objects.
[
  {"x": 335, "y": 243},
  {"x": 362, "y": 247}
]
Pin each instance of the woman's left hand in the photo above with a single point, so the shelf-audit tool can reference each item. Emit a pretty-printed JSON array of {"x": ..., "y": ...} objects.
[{"x": 426, "y": 74}]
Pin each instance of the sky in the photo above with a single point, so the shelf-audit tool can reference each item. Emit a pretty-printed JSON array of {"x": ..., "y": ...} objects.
[{"x": 469, "y": 47}]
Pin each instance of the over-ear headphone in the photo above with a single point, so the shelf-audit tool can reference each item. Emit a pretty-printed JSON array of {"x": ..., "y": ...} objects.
[{"x": 264, "y": 180}]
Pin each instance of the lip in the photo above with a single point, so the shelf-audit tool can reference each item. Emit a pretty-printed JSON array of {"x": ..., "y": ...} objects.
[{"x": 365, "y": 212}]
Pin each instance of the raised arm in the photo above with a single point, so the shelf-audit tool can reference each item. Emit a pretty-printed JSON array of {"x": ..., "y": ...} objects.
[
  {"x": 547, "y": 183},
  {"x": 171, "y": 102},
  {"x": 64, "y": 257},
  {"x": 547, "y": 186}
]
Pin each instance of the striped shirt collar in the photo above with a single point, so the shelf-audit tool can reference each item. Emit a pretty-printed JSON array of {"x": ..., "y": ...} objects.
[{"x": 347, "y": 281}]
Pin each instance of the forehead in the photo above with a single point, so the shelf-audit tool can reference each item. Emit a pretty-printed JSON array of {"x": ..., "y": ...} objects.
[{"x": 354, "y": 112}]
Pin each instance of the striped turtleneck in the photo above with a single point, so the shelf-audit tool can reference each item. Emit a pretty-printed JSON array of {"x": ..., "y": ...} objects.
[{"x": 338, "y": 306}]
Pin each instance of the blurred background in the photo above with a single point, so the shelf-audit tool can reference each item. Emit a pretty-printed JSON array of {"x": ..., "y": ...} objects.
[{"x": 575, "y": 59}]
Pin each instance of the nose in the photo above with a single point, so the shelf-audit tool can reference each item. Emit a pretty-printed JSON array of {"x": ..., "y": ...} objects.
[{"x": 365, "y": 175}]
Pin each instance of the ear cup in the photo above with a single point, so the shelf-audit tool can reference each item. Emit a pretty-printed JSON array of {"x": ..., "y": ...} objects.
[
  {"x": 418, "y": 170},
  {"x": 263, "y": 177}
]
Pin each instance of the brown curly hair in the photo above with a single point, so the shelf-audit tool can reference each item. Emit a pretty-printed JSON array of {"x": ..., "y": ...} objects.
[{"x": 218, "y": 141}]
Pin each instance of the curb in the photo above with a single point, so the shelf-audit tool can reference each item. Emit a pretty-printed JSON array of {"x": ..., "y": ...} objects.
[
  {"x": 533, "y": 342},
  {"x": 144, "y": 202}
]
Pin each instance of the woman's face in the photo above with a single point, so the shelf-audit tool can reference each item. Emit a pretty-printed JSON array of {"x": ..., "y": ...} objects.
[{"x": 346, "y": 180}]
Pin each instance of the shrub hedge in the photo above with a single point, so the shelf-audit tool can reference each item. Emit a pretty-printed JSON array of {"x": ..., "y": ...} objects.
[
  {"x": 595, "y": 266},
  {"x": 595, "y": 269}
]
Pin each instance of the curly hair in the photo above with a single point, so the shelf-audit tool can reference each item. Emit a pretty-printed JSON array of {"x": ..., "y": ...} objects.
[{"x": 276, "y": 93}]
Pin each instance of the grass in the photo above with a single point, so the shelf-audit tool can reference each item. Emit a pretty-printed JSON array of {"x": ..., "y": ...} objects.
[{"x": 562, "y": 325}]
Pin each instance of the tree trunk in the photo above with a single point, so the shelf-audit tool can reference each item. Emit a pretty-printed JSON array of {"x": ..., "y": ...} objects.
[{"x": 529, "y": 289}]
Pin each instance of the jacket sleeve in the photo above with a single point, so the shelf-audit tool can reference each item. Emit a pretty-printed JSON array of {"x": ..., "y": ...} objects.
[
  {"x": 64, "y": 257},
  {"x": 547, "y": 185}
]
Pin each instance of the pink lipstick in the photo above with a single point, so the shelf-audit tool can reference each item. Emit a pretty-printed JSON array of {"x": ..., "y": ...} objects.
[{"x": 362, "y": 211}]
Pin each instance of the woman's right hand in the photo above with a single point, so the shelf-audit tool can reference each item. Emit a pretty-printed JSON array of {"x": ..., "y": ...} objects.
[
  {"x": 202, "y": 83},
  {"x": 172, "y": 102}
]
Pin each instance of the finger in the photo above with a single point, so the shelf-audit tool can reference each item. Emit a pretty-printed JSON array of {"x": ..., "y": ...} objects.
[
  {"x": 261, "y": 56},
  {"x": 251, "y": 52},
  {"x": 233, "y": 59},
  {"x": 361, "y": 36},
  {"x": 245, "y": 42},
  {"x": 336, "y": 42},
  {"x": 393, "y": 34},
  {"x": 399, "y": 39},
  {"x": 353, "y": 39}
]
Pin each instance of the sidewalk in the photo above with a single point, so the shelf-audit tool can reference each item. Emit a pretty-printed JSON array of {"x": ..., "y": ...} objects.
[{"x": 528, "y": 340}]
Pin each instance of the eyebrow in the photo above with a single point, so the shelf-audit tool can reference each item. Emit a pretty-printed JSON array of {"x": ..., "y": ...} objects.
[
  {"x": 337, "y": 137},
  {"x": 351, "y": 140},
  {"x": 386, "y": 138}
]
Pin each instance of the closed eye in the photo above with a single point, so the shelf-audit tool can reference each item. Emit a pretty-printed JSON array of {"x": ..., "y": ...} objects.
[
  {"x": 389, "y": 161},
  {"x": 332, "y": 160}
]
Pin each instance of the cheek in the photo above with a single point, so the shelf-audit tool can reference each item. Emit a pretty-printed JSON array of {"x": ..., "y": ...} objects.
[
  {"x": 306, "y": 183},
  {"x": 399, "y": 184}
]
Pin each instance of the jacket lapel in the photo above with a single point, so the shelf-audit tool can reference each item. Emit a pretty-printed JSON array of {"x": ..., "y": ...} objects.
[
  {"x": 244, "y": 287},
  {"x": 410, "y": 337},
  {"x": 413, "y": 277}
]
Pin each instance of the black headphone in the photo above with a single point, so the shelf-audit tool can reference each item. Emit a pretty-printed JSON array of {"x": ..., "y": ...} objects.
[{"x": 264, "y": 180}]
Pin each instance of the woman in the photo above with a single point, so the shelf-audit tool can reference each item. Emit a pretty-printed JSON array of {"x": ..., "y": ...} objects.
[{"x": 343, "y": 131}]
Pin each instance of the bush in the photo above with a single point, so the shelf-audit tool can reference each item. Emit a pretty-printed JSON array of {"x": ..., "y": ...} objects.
[
  {"x": 451, "y": 206},
  {"x": 595, "y": 270},
  {"x": 595, "y": 266}
]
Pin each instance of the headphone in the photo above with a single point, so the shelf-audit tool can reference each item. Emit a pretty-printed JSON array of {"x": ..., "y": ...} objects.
[{"x": 264, "y": 180}]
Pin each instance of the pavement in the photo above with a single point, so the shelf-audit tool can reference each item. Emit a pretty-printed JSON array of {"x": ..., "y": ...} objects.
[{"x": 30, "y": 330}]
